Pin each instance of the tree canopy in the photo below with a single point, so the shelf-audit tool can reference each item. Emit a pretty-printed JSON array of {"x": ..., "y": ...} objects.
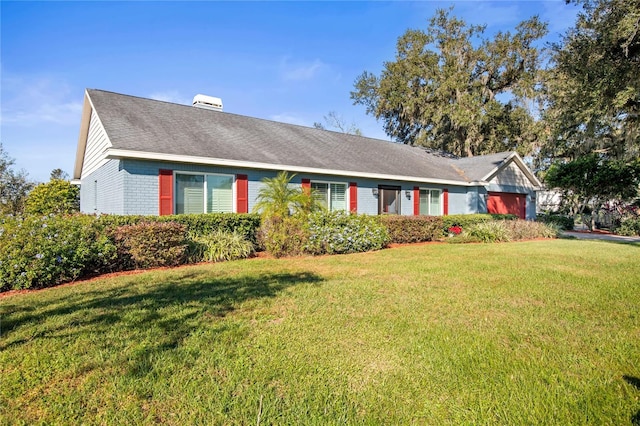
[
  {"x": 58, "y": 196},
  {"x": 594, "y": 83},
  {"x": 14, "y": 186},
  {"x": 453, "y": 90}
]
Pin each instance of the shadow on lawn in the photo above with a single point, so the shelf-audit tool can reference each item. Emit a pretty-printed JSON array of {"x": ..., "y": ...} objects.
[
  {"x": 635, "y": 382},
  {"x": 162, "y": 313}
]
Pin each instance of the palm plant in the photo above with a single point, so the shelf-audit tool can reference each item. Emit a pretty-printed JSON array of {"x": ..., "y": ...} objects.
[{"x": 276, "y": 198}]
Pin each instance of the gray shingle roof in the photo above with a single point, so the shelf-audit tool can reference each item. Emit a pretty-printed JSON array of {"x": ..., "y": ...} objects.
[{"x": 146, "y": 125}]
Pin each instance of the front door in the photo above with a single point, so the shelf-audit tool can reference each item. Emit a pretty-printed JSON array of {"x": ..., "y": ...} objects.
[{"x": 388, "y": 199}]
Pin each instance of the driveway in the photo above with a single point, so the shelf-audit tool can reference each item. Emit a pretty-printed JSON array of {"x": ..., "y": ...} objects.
[{"x": 601, "y": 236}]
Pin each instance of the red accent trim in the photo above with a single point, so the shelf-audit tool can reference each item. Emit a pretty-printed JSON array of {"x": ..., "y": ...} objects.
[
  {"x": 445, "y": 201},
  {"x": 306, "y": 186},
  {"x": 165, "y": 192},
  {"x": 242, "y": 194},
  {"x": 416, "y": 201},
  {"x": 353, "y": 197}
]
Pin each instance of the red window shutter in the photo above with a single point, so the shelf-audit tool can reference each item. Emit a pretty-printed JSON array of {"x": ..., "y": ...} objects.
[
  {"x": 165, "y": 191},
  {"x": 242, "y": 194},
  {"x": 445, "y": 201},
  {"x": 416, "y": 201},
  {"x": 353, "y": 197},
  {"x": 306, "y": 185}
]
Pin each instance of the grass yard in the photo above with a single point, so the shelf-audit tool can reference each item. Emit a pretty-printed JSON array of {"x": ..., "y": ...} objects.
[{"x": 541, "y": 332}]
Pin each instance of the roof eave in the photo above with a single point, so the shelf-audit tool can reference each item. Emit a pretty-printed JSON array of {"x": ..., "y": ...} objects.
[
  {"x": 515, "y": 157},
  {"x": 113, "y": 153},
  {"x": 87, "y": 108}
]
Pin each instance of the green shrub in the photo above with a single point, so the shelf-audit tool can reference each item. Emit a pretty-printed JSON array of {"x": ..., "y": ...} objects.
[
  {"x": 151, "y": 244},
  {"x": 562, "y": 221},
  {"x": 490, "y": 232},
  {"x": 412, "y": 229},
  {"x": 464, "y": 220},
  {"x": 245, "y": 224},
  {"x": 56, "y": 196},
  {"x": 283, "y": 236},
  {"x": 630, "y": 227},
  {"x": 42, "y": 251},
  {"x": 218, "y": 246},
  {"x": 343, "y": 232}
]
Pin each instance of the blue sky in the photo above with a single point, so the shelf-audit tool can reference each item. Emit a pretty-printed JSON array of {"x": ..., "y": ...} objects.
[{"x": 285, "y": 61}]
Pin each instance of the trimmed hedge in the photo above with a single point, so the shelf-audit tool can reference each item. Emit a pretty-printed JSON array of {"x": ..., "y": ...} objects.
[
  {"x": 245, "y": 224},
  {"x": 413, "y": 229},
  {"x": 151, "y": 244},
  {"x": 466, "y": 220}
]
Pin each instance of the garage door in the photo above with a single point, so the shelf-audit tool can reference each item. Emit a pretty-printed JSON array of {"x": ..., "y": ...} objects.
[{"x": 507, "y": 203}]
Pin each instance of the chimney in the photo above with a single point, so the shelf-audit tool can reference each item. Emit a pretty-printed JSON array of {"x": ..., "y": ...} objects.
[{"x": 207, "y": 102}]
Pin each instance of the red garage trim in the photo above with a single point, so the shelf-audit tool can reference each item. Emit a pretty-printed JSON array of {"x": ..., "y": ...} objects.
[
  {"x": 445, "y": 201},
  {"x": 507, "y": 203},
  {"x": 165, "y": 192},
  {"x": 416, "y": 200},
  {"x": 353, "y": 197},
  {"x": 242, "y": 194}
]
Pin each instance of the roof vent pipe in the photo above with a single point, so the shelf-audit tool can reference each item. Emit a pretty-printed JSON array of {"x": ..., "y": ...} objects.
[{"x": 207, "y": 102}]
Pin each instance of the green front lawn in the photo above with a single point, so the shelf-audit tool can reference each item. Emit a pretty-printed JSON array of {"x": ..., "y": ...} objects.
[{"x": 542, "y": 332}]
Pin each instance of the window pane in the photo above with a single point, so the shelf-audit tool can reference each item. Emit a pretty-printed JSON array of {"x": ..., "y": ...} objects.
[
  {"x": 424, "y": 202},
  {"x": 321, "y": 192},
  {"x": 189, "y": 194},
  {"x": 219, "y": 194},
  {"x": 338, "y": 196},
  {"x": 434, "y": 204}
]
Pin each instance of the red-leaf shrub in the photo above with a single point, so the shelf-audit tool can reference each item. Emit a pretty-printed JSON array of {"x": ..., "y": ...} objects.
[
  {"x": 152, "y": 244},
  {"x": 413, "y": 229}
]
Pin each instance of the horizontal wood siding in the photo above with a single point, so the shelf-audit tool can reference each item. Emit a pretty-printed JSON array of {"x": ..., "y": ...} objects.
[{"x": 97, "y": 143}]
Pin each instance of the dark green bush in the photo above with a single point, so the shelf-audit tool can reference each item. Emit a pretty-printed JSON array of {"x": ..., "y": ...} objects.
[
  {"x": 42, "y": 251},
  {"x": 151, "y": 244},
  {"x": 563, "y": 222},
  {"x": 342, "y": 232},
  {"x": 630, "y": 227},
  {"x": 413, "y": 229},
  {"x": 245, "y": 224},
  {"x": 218, "y": 246}
]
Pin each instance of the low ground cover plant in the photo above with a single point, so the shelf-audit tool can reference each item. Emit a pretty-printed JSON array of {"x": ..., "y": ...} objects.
[
  {"x": 219, "y": 246},
  {"x": 505, "y": 230}
]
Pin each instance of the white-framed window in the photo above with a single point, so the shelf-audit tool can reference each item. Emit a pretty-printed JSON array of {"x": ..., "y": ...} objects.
[
  {"x": 430, "y": 202},
  {"x": 203, "y": 193},
  {"x": 333, "y": 195}
]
